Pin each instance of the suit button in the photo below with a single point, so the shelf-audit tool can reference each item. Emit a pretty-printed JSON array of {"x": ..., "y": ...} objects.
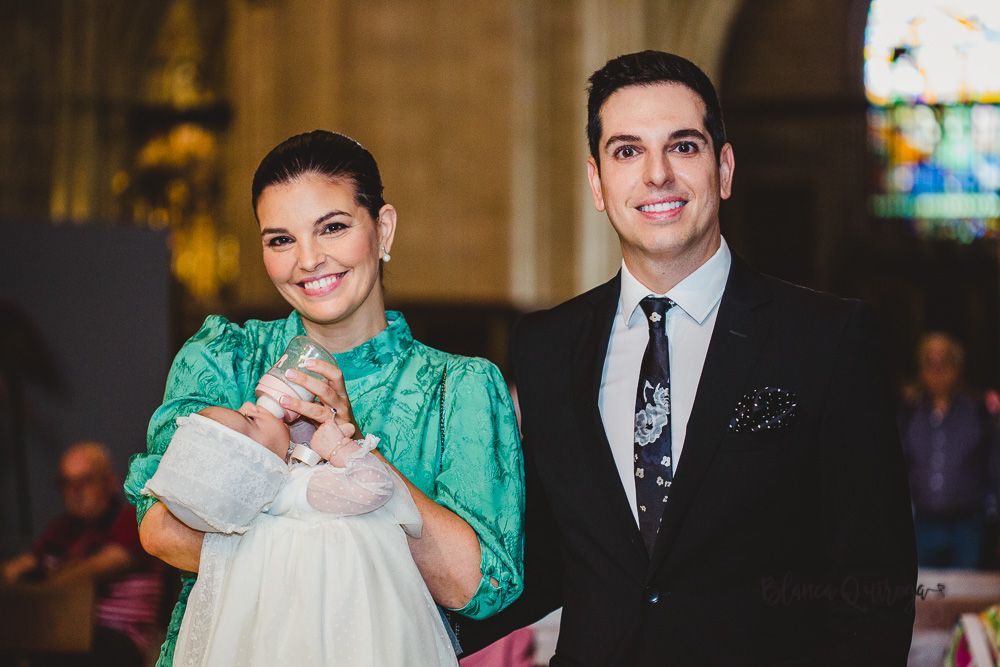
[{"x": 651, "y": 595}]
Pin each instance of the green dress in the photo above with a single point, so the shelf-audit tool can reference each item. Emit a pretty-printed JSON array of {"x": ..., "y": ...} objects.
[{"x": 395, "y": 386}]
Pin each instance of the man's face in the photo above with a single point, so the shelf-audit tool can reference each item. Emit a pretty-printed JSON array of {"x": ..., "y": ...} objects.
[
  {"x": 659, "y": 181},
  {"x": 939, "y": 368},
  {"x": 86, "y": 484}
]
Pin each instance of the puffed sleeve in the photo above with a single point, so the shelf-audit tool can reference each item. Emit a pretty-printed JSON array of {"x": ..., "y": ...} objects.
[
  {"x": 205, "y": 372},
  {"x": 482, "y": 478}
]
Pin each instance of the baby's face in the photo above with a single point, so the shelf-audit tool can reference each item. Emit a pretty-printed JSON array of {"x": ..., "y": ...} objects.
[{"x": 256, "y": 423}]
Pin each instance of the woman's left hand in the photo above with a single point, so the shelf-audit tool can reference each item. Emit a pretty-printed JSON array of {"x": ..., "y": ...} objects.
[{"x": 331, "y": 394}]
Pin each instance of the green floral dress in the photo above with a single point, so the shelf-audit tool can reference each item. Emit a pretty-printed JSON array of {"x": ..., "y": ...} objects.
[{"x": 395, "y": 385}]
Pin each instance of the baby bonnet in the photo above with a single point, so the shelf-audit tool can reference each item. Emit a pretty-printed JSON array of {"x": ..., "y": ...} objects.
[{"x": 213, "y": 478}]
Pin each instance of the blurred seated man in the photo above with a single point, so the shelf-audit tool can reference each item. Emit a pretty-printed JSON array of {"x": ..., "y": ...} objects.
[
  {"x": 950, "y": 442},
  {"x": 98, "y": 539}
]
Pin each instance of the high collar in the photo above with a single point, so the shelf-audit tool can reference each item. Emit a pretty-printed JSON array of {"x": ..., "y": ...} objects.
[
  {"x": 696, "y": 295},
  {"x": 376, "y": 353}
]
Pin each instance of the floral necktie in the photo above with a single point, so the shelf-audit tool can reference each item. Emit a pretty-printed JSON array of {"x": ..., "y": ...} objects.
[{"x": 653, "y": 469}]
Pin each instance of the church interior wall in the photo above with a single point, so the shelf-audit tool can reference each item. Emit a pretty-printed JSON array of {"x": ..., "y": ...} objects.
[{"x": 475, "y": 112}]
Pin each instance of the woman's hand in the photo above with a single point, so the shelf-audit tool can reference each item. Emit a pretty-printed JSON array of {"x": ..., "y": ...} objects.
[{"x": 331, "y": 394}]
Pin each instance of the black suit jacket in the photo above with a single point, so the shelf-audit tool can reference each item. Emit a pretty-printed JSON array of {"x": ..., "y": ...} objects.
[{"x": 792, "y": 546}]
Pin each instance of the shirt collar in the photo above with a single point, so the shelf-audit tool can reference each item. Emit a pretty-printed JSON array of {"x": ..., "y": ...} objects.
[{"x": 697, "y": 295}]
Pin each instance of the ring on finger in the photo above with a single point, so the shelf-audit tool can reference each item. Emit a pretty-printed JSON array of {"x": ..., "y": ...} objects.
[{"x": 334, "y": 413}]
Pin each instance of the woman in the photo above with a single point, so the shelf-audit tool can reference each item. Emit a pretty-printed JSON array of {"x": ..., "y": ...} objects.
[{"x": 445, "y": 422}]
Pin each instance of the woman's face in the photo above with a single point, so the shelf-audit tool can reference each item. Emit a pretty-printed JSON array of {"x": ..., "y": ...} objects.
[{"x": 322, "y": 249}]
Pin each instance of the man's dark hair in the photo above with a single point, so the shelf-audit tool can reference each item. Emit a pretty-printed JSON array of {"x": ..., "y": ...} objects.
[{"x": 644, "y": 69}]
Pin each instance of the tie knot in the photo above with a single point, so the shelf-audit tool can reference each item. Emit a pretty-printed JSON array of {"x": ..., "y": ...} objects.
[{"x": 655, "y": 307}]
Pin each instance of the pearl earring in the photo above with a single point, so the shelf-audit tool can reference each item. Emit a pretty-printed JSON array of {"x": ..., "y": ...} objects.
[{"x": 385, "y": 255}]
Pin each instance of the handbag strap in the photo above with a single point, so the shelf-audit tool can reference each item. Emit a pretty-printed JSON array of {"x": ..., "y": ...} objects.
[{"x": 451, "y": 619}]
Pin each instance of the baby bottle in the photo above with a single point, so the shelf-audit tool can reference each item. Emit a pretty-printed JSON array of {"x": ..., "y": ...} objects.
[{"x": 273, "y": 385}]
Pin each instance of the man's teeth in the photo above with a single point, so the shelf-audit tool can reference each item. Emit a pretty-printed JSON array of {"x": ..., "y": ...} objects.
[
  {"x": 660, "y": 208},
  {"x": 321, "y": 283}
]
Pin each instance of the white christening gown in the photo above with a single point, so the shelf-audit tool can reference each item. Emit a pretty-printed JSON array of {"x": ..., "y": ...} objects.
[{"x": 323, "y": 577}]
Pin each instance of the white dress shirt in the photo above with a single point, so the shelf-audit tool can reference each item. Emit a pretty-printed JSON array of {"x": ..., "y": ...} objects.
[{"x": 689, "y": 325}]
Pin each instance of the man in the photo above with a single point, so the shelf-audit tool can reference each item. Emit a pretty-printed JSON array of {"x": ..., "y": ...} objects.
[
  {"x": 952, "y": 450},
  {"x": 97, "y": 538},
  {"x": 714, "y": 477}
]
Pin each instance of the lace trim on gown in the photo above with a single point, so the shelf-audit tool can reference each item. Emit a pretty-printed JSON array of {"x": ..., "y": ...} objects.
[{"x": 194, "y": 638}]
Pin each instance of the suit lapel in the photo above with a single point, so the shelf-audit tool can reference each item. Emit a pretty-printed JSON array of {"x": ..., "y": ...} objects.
[
  {"x": 591, "y": 352},
  {"x": 740, "y": 329}
]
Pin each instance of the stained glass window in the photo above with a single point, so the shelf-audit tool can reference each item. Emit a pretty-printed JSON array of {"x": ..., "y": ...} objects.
[{"x": 932, "y": 77}]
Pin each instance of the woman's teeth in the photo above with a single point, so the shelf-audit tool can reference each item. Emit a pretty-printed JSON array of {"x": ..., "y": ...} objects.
[
  {"x": 321, "y": 283},
  {"x": 659, "y": 208}
]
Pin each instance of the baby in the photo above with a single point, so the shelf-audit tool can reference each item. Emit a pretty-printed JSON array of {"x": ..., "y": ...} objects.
[{"x": 301, "y": 564}]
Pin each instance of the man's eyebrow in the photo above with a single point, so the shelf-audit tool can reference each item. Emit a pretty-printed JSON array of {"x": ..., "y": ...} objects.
[
  {"x": 320, "y": 220},
  {"x": 621, "y": 138},
  {"x": 688, "y": 133}
]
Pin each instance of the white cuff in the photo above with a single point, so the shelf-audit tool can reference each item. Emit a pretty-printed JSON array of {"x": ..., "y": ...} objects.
[{"x": 305, "y": 455}]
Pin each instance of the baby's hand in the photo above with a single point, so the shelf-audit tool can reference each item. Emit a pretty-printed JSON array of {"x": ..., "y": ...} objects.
[{"x": 333, "y": 442}]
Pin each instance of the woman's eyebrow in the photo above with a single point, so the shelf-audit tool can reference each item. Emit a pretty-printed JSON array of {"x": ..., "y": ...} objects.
[
  {"x": 332, "y": 214},
  {"x": 320, "y": 220}
]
